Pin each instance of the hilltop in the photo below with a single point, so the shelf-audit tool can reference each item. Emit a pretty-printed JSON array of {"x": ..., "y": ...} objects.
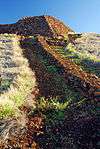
[
  {"x": 38, "y": 25},
  {"x": 49, "y": 85}
]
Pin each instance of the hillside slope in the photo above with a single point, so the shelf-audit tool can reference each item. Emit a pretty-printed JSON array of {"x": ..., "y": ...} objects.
[
  {"x": 49, "y": 86},
  {"x": 39, "y": 25}
]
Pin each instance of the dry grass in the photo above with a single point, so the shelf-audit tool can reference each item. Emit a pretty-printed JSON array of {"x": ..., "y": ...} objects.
[
  {"x": 22, "y": 83},
  {"x": 15, "y": 91}
]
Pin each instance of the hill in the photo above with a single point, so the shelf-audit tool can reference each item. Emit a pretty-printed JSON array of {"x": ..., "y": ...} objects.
[
  {"x": 39, "y": 25},
  {"x": 49, "y": 86}
]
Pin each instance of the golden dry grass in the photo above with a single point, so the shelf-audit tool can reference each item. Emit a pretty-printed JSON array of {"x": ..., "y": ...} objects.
[{"x": 22, "y": 84}]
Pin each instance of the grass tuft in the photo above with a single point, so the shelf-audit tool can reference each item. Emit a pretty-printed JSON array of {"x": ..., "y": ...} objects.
[{"x": 15, "y": 92}]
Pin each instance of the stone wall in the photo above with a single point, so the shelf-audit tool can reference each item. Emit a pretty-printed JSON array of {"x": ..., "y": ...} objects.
[
  {"x": 42, "y": 25},
  {"x": 58, "y": 27}
]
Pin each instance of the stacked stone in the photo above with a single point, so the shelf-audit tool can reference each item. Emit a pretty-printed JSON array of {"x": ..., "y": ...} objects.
[
  {"x": 56, "y": 42},
  {"x": 57, "y": 26},
  {"x": 33, "y": 26},
  {"x": 42, "y": 25}
]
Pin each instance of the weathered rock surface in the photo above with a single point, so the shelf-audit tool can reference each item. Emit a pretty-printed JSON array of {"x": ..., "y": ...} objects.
[{"x": 38, "y": 25}]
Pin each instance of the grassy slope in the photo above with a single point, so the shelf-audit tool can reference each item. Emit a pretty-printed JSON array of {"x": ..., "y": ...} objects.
[
  {"x": 84, "y": 60},
  {"x": 14, "y": 92},
  {"x": 65, "y": 106}
]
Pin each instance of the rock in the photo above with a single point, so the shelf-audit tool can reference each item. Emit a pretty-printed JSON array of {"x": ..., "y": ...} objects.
[{"x": 38, "y": 25}]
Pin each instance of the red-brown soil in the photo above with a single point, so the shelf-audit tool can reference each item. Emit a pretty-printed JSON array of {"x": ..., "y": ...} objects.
[
  {"x": 85, "y": 82},
  {"x": 73, "y": 124}
]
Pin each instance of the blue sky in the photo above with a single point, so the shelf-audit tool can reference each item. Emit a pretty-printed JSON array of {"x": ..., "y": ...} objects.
[{"x": 80, "y": 15}]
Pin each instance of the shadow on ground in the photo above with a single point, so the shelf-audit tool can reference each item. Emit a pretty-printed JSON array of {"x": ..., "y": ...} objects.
[{"x": 71, "y": 128}]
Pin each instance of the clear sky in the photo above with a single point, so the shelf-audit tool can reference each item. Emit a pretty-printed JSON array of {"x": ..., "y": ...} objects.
[{"x": 80, "y": 15}]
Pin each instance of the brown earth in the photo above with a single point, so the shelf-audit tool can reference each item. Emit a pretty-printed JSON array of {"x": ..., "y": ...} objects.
[
  {"x": 75, "y": 76},
  {"x": 73, "y": 123},
  {"x": 35, "y": 136}
]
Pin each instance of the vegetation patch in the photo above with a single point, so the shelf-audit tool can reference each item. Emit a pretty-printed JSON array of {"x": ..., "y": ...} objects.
[
  {"x": 86, "y": 61},
  {"x": 15, "y": 91}
]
